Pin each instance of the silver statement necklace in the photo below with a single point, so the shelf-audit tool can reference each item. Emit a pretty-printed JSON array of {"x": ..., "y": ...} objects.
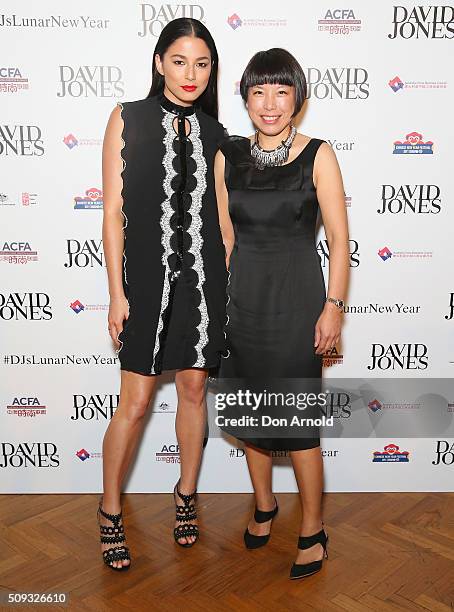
[{"x": 273, "y": 157}]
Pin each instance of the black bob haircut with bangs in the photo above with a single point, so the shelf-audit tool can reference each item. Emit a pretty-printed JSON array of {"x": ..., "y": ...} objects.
[{"x": 275, "y": 67}]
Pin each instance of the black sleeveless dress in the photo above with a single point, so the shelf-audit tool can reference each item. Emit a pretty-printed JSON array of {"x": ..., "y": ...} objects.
[
  {"x": 276, "y": 288},
  {"x": 174, "y": 259}
]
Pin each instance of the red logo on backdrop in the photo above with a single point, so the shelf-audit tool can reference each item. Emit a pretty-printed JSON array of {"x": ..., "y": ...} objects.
[
  {"x": 83, "y": 454},
  {"x": 391, "y": 454},
  {"x": 92, "y": 199},
  {"x": 412, "y": 144}
]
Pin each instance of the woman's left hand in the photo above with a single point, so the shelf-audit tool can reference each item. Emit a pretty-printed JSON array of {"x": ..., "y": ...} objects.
[{"x": 328, "y": 328}]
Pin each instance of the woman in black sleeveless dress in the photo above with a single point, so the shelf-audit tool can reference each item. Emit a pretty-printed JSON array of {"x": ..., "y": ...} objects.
[
  {"x": 279, "y": 320},
  {"x": 165, "y": 262}
]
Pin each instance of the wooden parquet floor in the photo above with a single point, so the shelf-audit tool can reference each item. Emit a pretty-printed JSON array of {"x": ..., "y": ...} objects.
[{"x": 387, "y": 552}]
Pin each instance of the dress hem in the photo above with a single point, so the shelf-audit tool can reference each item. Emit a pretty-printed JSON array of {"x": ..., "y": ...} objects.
[{"x": 189, "y": 367}]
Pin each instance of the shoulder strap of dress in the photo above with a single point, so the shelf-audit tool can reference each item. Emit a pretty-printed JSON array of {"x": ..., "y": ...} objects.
[
  {"x": 236, "y": 150},
  {"x": 312, "y": 147}
]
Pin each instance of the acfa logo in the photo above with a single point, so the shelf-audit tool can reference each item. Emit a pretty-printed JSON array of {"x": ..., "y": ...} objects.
[
  {"x": 26, "y": 401},
  {"x": 170, "y": 453},
  {"x": 234, "y": 21},
  {"x": 92, "y": 200},
  {"x": 385, "y": 253},
  {"x": 70, "y": 141},
  {"x": 339, "y": 21},
  {"x": 374, "y": 405},
  {"x": 396, "y": 84},
  {"x": 18, "y": 252},
  {"x": 17, "y": 246},
  {"x": 83, "y": 454},
  {"x": 11, "y": 80},
  {"x": 332, "y": 357},
  {"x": 26, "y": 406},
  {"x": 412, "y": 144},
  {"x": 77, "y": 306},
  {"x": 340, "y": 14}
]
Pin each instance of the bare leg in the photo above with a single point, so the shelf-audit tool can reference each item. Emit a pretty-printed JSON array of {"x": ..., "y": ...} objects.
[
  {"x": 260, "y": 465},
  {"x": 308, "y": 468},
  {"x": 190, "y": 426},
  {"x": 121, "y": 438}
]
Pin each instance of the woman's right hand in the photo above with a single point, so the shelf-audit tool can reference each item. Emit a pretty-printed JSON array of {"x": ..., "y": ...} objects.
[{"x": 118, "y": 312}]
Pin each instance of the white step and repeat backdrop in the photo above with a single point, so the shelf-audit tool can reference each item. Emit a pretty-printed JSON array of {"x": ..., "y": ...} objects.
[{"x": 381, "y": 88}]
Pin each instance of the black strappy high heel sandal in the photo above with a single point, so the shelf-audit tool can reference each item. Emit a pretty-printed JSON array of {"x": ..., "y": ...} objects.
[
  {"x": 255, "y": 541},
  {"x": 185, "y": 514},
  {"x": 301, "y": 570},
  {"x": 113, "y": 535}
]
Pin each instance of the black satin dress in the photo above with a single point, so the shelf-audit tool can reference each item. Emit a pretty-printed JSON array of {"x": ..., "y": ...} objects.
[{"x": 276, "y": 288}]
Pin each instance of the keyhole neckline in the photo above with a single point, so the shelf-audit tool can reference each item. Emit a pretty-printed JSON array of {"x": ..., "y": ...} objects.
[{"x": 174, "y": 108}]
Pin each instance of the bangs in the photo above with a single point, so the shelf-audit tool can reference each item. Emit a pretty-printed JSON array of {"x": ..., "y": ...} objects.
[
  {"x": 275, "y": 67},
  {"x": 263, "y": 70}
]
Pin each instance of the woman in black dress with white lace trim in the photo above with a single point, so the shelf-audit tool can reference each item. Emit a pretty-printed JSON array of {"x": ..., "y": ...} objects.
[
  {"x": 270, "y": 188},
  {"x": 165, "y": 263}
]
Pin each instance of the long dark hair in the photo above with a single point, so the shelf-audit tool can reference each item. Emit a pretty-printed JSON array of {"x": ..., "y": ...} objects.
[{"x": 186, "y": 26}]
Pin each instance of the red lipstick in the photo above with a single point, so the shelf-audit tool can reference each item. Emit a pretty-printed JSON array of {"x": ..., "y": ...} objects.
[{"x": 189, "y": 87}]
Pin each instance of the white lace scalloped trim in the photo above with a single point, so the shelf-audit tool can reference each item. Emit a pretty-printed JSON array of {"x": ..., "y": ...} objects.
[
  {"x": 167, "y": 212},
  {"x": 195, "y": 231},
  {"x": 227, "y": 316},
  {"x": 123, "y": 161}
]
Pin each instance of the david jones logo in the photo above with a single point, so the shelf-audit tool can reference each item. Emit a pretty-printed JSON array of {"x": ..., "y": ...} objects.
[
  {"x": 422, "y": 22},
  {"x": 84, "y": 254},
  {"x": 21, "y": 140},
  {"x": 94, "y": 407},
  {"x": 154, "y": 17},
  {"x": 412, "y": 356},
  {"x": 29, "y": 455},
  {"x": 30, "y": 306},
  {"x": 419, "y": 199},
  {"x": 323, "y": 251},
  {"x": 91, "y": 81},
  {"x": 345, "y": 83}
]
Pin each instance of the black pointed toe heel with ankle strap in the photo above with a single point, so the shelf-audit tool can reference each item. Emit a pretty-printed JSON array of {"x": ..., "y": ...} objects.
[
  {"x": 185, "y": 514},
  {"x": 113, "y": 535},
  {"x": 301, "y": 570},
  {"x": 260, "y": 516}
]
